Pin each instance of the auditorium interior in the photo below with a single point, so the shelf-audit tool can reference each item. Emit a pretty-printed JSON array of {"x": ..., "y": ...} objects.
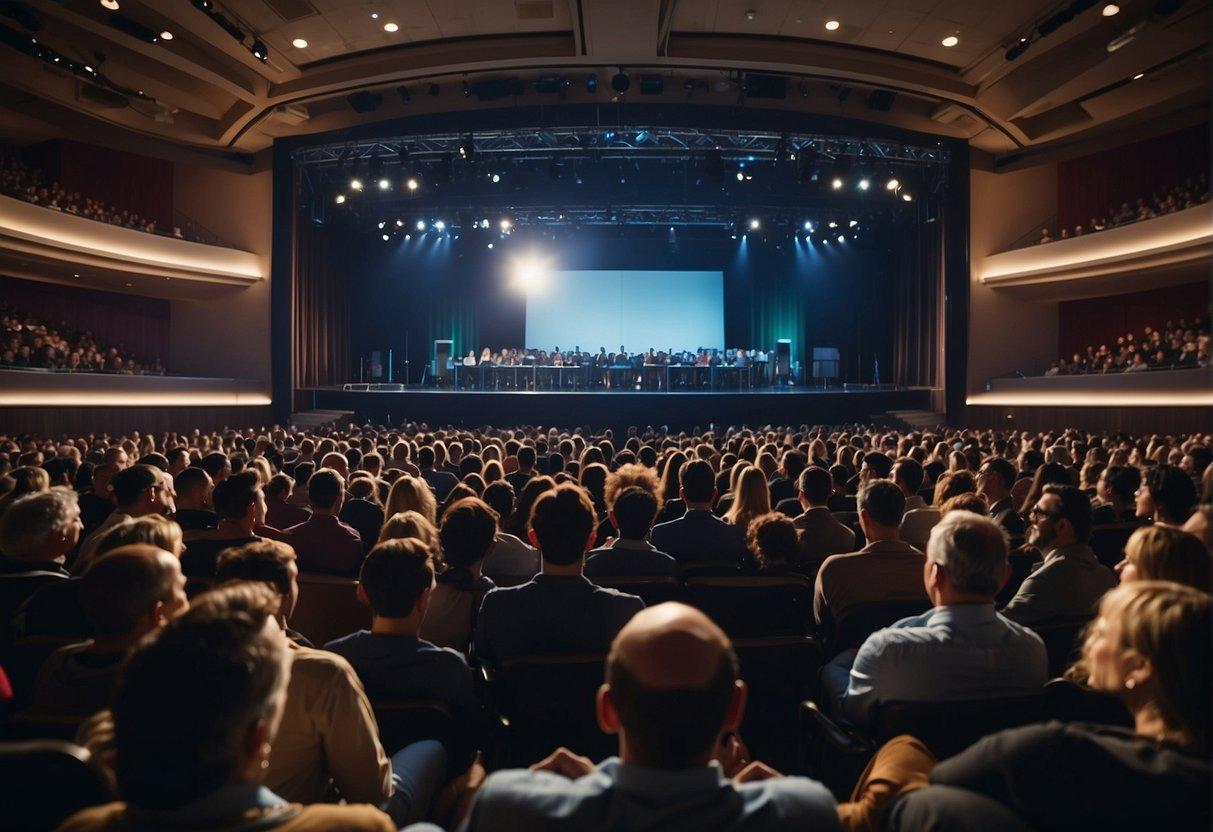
[{"x": 341, "y": 329}]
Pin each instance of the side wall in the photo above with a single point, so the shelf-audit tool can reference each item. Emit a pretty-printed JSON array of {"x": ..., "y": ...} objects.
[
  {"x": 228, "y": 337},
  {"x": 1005, "y": 334}
]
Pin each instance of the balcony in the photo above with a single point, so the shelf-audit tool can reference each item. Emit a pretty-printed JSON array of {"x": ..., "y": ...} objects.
[
  {"x": 45, "y": 244},
  {"x": 1153, "y": 389},
  {"x": 1164, "y": 251},
  {"x": 26, "y": 388}
]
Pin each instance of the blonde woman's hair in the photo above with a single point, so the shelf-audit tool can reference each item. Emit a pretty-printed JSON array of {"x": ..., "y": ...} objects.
[
  {"x": 410, "y": 525},
  {"x": 1165, "y": 553},
  {"x": 412, "y": 494},
  {"x": 751, "y": 498},
  {"x": 264, "y": 472},
  {"x": 151, "y": 528}
]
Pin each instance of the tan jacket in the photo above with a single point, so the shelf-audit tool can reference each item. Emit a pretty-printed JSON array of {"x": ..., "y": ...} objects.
[{"x": 884, "y": 570}]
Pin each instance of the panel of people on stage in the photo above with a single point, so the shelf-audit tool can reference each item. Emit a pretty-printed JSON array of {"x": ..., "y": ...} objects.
[{"x": 669, "y": 369}]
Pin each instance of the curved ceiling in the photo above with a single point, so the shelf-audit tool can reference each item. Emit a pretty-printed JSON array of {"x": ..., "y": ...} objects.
[{"x": 205, "y": 89}]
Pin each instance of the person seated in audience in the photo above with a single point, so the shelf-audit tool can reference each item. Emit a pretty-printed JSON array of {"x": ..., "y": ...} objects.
[
  {"x": 410, "y": 493},
  {"x": 1115, "y": 491},
  {"x": 511, "y": 559},
  {"x": 239, "y": 506},
  {"x": 362, "y": 510},
  {"x": 138, "y": 491},
  {"x": 440, "y": 481},
  {"x": 194, "y": 509},
  {"x": 1164, "y": 553},
  {"x": 391, "y": 659},
  {"x": 127, "y": 593},
  {"x": 1150, "y": 649},
  {"x": 698, "y": 538},
  {"x": 280, "y": 512},
  {"x": 673, "y": 696},
  {"x": 1166, "y": 495},
  {"x": 916, "y": 525},
  {"x": 1068, "y": 583},
  {"x": 775, "y": 543},
  {"x": 886, "y": 569},
  {"x": 37, "y": 533},
  {"x": 994, "y": 481},
  {"x": 151, "y": 529},
  {"x": 821, "y": 535},
  {"x": 322, "y": 542},
  {"x": 190, "y": 755},
  {"x": 783, "y": 485},
  {"x": 96, "y": 502},
  {"x": 631, "y": 512},
  {"x": 217, "y": 465},
  {"x": 908, "y": 475},
  {"x": 272, "y": 563},
  {"x": 961, "y": 649},
  {"x": 559, "y": 610},
  {"x": 751, "y": 498},
  {"x": 410, "y": 524},
  {"x": 468, "y": 532}
]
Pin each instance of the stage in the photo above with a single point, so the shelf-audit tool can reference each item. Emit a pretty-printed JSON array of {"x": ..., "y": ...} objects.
[{"x": 619, "y": 409}]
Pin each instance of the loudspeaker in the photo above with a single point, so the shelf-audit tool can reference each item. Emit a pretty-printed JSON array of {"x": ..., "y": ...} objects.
[
  {"x": 376, "y": 365},
  {"x": 442, "y": 357},
  {"x": 825, "y": 362},
  {"x": 783, "y": 357},
  {"x": 387, "y": 388}
]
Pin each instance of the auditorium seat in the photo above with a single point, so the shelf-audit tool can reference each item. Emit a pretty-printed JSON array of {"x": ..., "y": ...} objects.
[
  {"x": 779, "y": 673},
  {"x": 32, "y": 725},
  {"x": 1063, "y": 639},
  {"x": 861, "y": 620},
  {"x": 54, "y": 610},
  {"x": 652, "y": 589},
  {"x": 548, "y": 702},
  {"x": 328, "y": 608},
  {"x": 1021, "y": 562},
  {"x": 15, "y": 589},
  {"x": 1109, "y": 541},
  {"x": 754, "y": 606},
  {"x": 46, "y": 782},
  {"x": 405, "y": 721},
  {"x": 25, "y": 659},
  {"x": 1068, "y": 702}
]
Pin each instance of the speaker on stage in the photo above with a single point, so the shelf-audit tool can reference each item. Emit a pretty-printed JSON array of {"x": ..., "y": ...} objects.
[
  {"x": 376, "y": 365},
  {"x": 783, "y": 357},
  {"x": 442, "y": 360},
  {"x": 825, "y": 362}
]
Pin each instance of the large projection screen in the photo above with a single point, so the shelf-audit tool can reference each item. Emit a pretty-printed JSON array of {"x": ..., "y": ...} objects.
[{"x": 682, "y": 310}]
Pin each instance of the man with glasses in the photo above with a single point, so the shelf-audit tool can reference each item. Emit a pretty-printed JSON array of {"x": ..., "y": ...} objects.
[{"x": 1070, "y": 580}]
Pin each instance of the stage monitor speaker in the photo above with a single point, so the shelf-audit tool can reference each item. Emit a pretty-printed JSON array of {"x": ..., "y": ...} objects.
[
  {"x": 825, "y": 362},
  {"x": 442, "y": 358},
  {"x": 376, "y": 365},
  {"x": 387, "y": 388},
  {"x": 356, "y": 388},
  {"x": 783, "y": 357}
]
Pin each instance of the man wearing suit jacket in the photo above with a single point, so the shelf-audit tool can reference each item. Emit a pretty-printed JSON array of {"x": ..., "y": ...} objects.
[
  {"x": 699, "y": 538},
  {"x": 820, "y": 534},
  {"x": 441, "y": 481},
  {"x": 994, "y": 481}
]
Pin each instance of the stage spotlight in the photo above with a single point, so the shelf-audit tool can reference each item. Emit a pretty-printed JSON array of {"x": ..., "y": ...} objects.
[
  {"x": 484, "y": 223},
  {"x": 833, "y": 224},
  {"x": 413, "y": 184},
  {"x": 490, "y": 245},
  {"x": 740, "y": 176},
  {"x": 506, "y": 225},
  {"x": 440, "y": 226},
  {"x": 529, "y": 273},
  {"x": 907, "y": 197},
  {"x": 467, "y": 148},
  {"x": 400, "y": 223},
  {"x": 841, "y": 238},
  {"x": 836, "y": 183},
  {"x": 853, "y": 223},
  {"x": 384, "y": 184},
  {"x": 381, "y": 224},
  {"x": 356, "y": 184},
  {"x": 260, "y": 52},
  {"x": 421, "y": 225},
  {"x": 755, "y": 224},
  {"x": 386, "y": 238},
  {"x": 408, "y": 236},
  {"x": 496, "y": 177},
  {"x": 863, "y": 184},
  {"x": 620, "y": 82},
  {"x": 892, "y": 184},
  {"x": 340, "y": 199},
  {"x": 808, "y": 226}
]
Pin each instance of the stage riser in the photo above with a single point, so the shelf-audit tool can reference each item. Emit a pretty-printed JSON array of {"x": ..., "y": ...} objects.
[{"x": 679, "y": 411}]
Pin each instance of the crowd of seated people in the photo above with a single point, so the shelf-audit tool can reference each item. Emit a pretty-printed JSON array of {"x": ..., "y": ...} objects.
[
  {"x": 29, "y": 343},
  {"x": 1194, "y": 191},
  {"x": 23, "y": 181},
  {"x": 169, "y": 601},
  {"x": 1177, "y": 345}
]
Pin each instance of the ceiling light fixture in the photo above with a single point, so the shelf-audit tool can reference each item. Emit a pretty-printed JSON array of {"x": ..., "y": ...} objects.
[
  {"x": 299, "y": 43},
  {"x": 112, "y": 5},
  {"x": 390, "y": 27},
  {"x": 166, "y": 35},
  {"x": 832, "y": 25},
  {"x": 1139, "y": 76},
  {"x": 340, "y": 199},
  {"x": 1110, "y": 9},
  {"x": 260, "y": 51},
  {"x": 950, "y": 41}
]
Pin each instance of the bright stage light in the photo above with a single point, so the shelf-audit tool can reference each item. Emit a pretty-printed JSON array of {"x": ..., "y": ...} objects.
[
  {"x": 381, "y": 224},
  {"x": 385, "y": 238},
  {"x": 530, "y": 273},
  {"x": 421, "y": 225},
  {"x": 484, "y": 223},
  {"x": 384, "y": 184},
  {"x": 808, "y": 226},
  {"x": 740, "y": 176},
  {"x": 833, "y": 224},
  {"x": 841, "y": 238},
  {"x": 863, "y": 184},
  {"x": 853, "y": 223},
  {"x": 356, "y": 184},
  {"x": 506, "y": 225},
  {"x": 340, "y": 199},
  {"x": 755, "y": 224},
  {"x": 413, "y": 184},
  {"x": 490, "y": 245},
  {"x": 836, "y": 183},
  {"x": 440, "y": 225},
  {"x": 892, "y": 184},
  {"x": 399, "y": 223},
  {"x": 496, "y": 177},
  {"x": 906, "y": 197}
]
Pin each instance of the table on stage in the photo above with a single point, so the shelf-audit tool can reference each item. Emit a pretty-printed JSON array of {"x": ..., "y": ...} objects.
[{"x": 661, "y": 377}]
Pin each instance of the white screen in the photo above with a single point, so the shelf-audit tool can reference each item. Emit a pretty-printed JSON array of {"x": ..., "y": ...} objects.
[{"x": 682, "y": 310}]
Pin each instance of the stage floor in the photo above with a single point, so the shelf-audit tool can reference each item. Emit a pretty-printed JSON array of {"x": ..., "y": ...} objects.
[{"x": 706, "y": 409}]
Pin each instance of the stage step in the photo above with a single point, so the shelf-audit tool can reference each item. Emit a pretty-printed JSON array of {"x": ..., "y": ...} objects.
[
  {"x": 916, "y": 419},
  {"x": 312, "y": 419}
]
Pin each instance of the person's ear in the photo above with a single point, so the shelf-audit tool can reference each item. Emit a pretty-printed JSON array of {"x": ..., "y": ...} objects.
[
  {"x": 604, "y": 709},
  {"x": 363, "y": 598},
  {"x": 532, "y": 537},
  {"x": 614, "y": 522},
  {"x": 733, "y": 716},
  {"x": 589, "y": 541},
  {"x": 256, "y": 748},
  {"x": 156, "y": 616}
]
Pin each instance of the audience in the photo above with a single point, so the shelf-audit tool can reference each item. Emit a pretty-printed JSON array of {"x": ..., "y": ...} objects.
[
  {"x": 511, "y": 559},
  {"x": 821, "y": 535},
  {"x": 1167, "y": 495},
  {"x": 467, "y": 534},
  {"x": 698, "y": 538},
  {"x": 280, "y": 512},
  {"x": 775, "y": 544},
  {"x": 1164, "y": 553},
  {"x": 239, "y": 506},
  {"x": 323, "y": 542},
  {"x": 1178, "y": 345},
  {"x": 29, "y": 343},
  {"x": 1194, "y": 191},
  {"x": 195, "y": 511},
  {"x": 994, "y": 481},
  {"x": 269, "y": 562},
  {"x": 631, "y": 513},
  {"x": 138, "y": 491}
]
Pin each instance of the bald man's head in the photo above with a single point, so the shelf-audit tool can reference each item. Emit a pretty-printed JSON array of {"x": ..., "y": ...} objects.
[
  {"x": 128, "y": 589},
  {"x": 672, "y": 681}
]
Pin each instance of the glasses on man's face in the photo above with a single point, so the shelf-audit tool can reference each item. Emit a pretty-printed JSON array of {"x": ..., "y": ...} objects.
[{"x": 1037, "y": 512}]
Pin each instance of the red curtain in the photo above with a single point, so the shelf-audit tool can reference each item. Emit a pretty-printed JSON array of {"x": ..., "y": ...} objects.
[
  {"x": 320, "y": 314},
  {"x": 134, "y": 324},
  {"x": 1090, "y": 186},
  {"x": 1095, "y": 321},
  {"x": 125, "y": 181},
  {"x": 919, "y": 325}
]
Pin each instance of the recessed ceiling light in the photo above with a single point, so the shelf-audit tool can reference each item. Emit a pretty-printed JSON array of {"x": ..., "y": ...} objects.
[
  {"x": 750, "y": 14},
  {"x": 1139, "y": 76},
  {"x": 950, "y": 40},
  {"x": 299, "y": 43},
  {"x": 112, "y": 5},
  {"x": 166, "y": 35},
  {"x": 1110, "y": 9},
  {"x": 374, "y": 15},
  {"x": 832, "y": 25},
  {"x": 390, "y": 27}
]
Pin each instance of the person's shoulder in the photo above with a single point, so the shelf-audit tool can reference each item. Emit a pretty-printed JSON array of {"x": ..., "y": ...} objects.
[
  {"x": 538, "y": 793},
  {"x": 803, "y": 803},
  {"x": 348, "y": 817},
  {"x": 320, "y": 666},
  {"x": 108, "y": 816},
  {"x": 346, "y": 643}
]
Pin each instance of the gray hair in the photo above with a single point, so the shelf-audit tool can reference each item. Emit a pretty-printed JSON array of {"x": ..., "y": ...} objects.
[
  {"x": 973, "y": 548},
  {"x": 29, "y": 521}
]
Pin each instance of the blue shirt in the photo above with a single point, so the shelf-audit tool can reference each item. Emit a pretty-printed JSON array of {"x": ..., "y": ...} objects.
[
  {"x": 619, "y": 797},
  {"x": 966, "y": 651}
]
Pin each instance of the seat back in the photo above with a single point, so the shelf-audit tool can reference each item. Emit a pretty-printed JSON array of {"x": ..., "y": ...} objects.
[
  {"x": 754, "y": 606},
  {"x": 779, "y": 673},
  {"x": 328, "y": 608},
  {"x": 1108, "y": 542},
  {"x": 652, "y": 589},
  {"x": 1062, "y": 640},
  {"x": 861, "y": 620},
  {"x": 948, "y": 728},
  {"x": 1021, "y": 562},
  {"x": 1068, "y": 702},
  {"x": 549, "y": 702},
  {"x": 54, "y": 610},
  {"x": 46, "y": 782},
  {"x": 15, "y": 589},
  {"x": 25, "y": 658}
]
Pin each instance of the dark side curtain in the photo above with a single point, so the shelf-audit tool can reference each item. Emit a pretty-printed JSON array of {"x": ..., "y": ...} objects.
[
  {"x": 918, "y": 275},
  {"x": 320, "y": 313}
]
